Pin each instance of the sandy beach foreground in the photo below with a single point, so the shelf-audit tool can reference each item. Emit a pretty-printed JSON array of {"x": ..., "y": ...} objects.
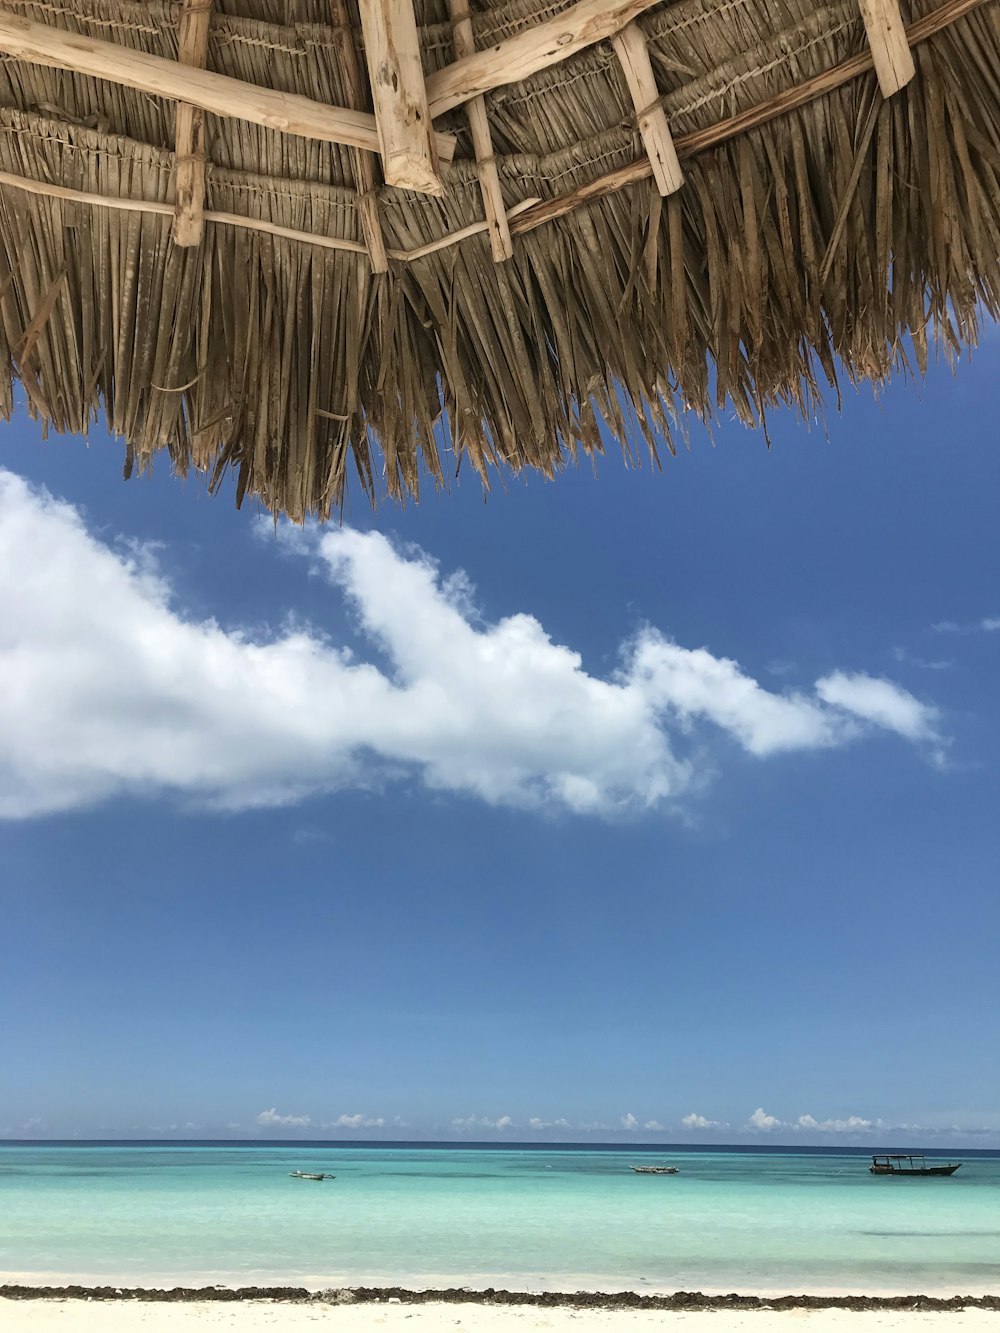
[{"x": 83, "y": 1316}]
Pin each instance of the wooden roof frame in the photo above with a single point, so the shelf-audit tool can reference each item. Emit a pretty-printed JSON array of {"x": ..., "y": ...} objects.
[
  {"x": 400, "y": 131},
  {"x": 400, "y": 128}
]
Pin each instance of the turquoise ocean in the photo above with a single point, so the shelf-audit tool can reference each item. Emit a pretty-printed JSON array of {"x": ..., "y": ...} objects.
[{"x": 527, "y": 1218}]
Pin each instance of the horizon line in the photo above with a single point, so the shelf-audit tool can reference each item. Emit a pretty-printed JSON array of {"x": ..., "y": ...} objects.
[{"x": 509, "y": 1144}]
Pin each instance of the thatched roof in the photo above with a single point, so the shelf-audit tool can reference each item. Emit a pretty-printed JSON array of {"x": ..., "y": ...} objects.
[{"x": 807, "y": 220}]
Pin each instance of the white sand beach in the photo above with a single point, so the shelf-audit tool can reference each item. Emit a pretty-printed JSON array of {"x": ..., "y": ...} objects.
[{"x": 83, "y": 1316}]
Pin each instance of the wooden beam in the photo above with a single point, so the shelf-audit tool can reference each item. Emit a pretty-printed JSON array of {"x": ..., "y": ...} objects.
[
  {"x": 39, "y": 44},
  {"x": 633, "y": 56},
  {"x": 887, "y": 39},
  {"x": 396, "y": 74},
  {"x": 545, "y": 44},
  {"x": 482, "y": 141},
  {"x": 361, "y": 163},
  {"x": 189, "y": 128}
]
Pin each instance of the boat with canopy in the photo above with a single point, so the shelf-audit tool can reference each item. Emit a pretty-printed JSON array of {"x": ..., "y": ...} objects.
[{"x": 909, "y": 1164}]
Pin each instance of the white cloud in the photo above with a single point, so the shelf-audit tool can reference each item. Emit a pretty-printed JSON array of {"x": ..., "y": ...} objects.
[
  {"x": 356, "y": 1122},
  {"x": 470, "y": 1122},
  {"x": 880, "y": 702},
  {"x": 654, "y": 1125},
  {"x": 760, "y": 1120},
  {"x": 780, "y": 666},
  {"x": 629, "y": 1121},
  {"x": 987, "y": 624},
  {"x": 696, "y": 1121},
  {"x": 689, "y": 684},
  {"x": 536, "y": 1122},
  {"x": 926, "y": 664},
  {"x": 311, "y": 834},
  {"x": 110, "y": 688},
  {"x": 854, "y": 1124},
  {"x": 272, "y": 1119}
]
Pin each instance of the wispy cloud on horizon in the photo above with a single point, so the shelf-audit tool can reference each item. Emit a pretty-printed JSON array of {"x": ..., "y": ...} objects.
[
  {"x": 272, "y": 1120},
  {"x": 689, "y": 1129},
  {"x": 111, "y": 688},
  {"x": 356, "y": 1121},
  {"x": 466, "y": 1124},
  {"x": 761, "y": 1122},
  {"x": 701, "y": 1122},
  {"x": 857, "y": 1126}
]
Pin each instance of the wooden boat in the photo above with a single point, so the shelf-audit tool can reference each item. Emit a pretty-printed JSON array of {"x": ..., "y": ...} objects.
[
  {"x": 656, "y": 1170},
  {"x": 909, "y": 1164},
  {"x": 312, "y": 1175}
]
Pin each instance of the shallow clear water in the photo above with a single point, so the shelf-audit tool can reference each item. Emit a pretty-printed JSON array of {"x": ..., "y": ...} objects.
[{"x": 533, "y": 1218}]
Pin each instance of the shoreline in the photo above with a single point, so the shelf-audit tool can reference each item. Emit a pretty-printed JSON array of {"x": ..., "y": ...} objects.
[
  {"x": 678, "y": 1301},
  {"x": 532, "y": 1287}
]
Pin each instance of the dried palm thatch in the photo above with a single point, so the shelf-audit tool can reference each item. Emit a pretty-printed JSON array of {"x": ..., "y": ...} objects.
[{"x": 715, "y": 201}]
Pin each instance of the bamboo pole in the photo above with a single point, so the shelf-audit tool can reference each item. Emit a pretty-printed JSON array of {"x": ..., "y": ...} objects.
[
  {"x": 361, "y": 163},
  {"x": 39, "y": 44},
  {"x": 545, "y": 44},
  {"x": 189, "y": 128},
  {"x": 887, "y": 39},
  {"x": 482, "y": 141},
  {"x": 396, "y": 75},
  {"x": 473, "y": 229},
  {"x": 633, "y": 56},
  {"x": 121, "y": 205}
]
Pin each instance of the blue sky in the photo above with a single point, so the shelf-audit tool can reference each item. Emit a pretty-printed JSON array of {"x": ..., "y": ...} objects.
[{"x": 645, "y": 805}]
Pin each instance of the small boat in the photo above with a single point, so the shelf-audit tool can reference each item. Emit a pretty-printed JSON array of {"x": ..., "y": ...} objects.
[
  {"x": 909, "y": 1164},
  {"x": 656, "y": 1170},
  {"x": 312, "y": 1175}
]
